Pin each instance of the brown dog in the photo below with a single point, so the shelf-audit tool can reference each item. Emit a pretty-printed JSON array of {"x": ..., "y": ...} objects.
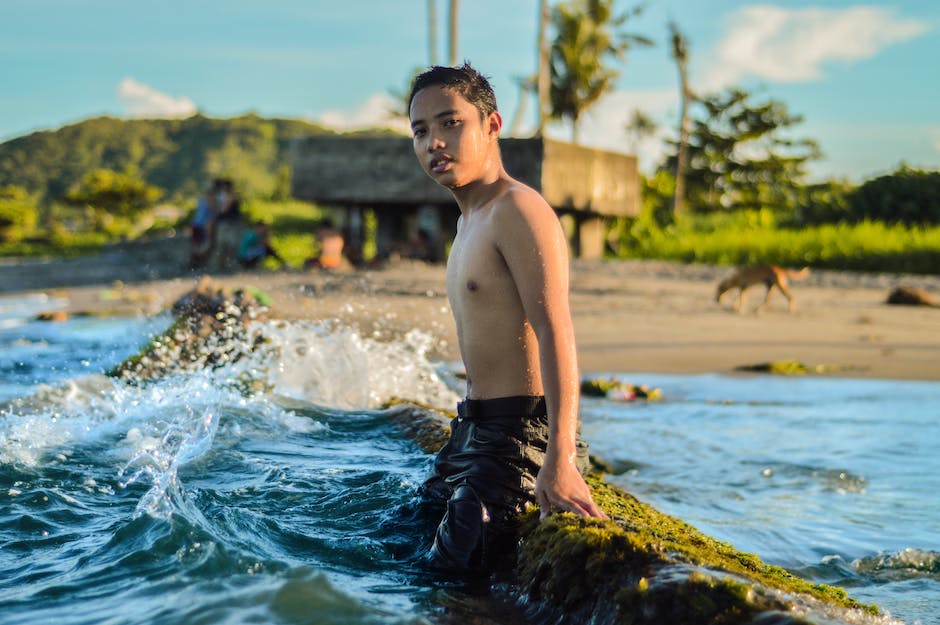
[{"x": 769, "y": 275}]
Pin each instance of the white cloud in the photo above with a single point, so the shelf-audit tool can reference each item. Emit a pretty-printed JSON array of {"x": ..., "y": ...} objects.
[
  {"x": 375, "y": 112},
  {"x": 140, "y": 100},
  {"x": 605, "y": 125},
  {"x": 783, "y": 45}
]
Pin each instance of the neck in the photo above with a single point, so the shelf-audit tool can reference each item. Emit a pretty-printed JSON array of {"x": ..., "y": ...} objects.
[{"x": 481, "y": 191}]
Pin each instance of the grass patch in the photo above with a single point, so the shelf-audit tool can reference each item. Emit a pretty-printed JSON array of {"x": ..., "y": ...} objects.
[{"x": 754, "y": 238}]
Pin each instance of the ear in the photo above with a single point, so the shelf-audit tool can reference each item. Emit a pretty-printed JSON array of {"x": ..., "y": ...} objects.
[{"x": 493, "y": 124}]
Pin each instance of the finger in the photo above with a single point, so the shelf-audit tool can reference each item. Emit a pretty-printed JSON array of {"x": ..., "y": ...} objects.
[
  {"x": 545, "y": 506},
  {"x": 587, "y": 508},
  {"x": 580, "y": 508},
  {"x": 595, "y": 511}
]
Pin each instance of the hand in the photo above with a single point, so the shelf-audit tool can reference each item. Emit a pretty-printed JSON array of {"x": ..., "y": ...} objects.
[{"x": 559, "y": 486}]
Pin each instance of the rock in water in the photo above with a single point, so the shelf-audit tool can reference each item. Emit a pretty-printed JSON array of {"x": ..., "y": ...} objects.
[{"x": 211, "y": 327}]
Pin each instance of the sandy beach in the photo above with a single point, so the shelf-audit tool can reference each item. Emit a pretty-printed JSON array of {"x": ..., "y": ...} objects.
[{"x": 630, "y": 316}]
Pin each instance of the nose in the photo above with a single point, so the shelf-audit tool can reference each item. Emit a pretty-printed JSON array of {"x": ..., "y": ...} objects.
[{"x": 435, "y": 142}]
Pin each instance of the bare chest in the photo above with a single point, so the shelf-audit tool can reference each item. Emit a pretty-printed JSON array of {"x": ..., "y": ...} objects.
[{"x": 476, "y": 271}]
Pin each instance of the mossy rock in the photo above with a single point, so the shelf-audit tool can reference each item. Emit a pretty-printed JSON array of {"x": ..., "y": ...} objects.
[
  {"x": 429, "y": 427},
  {"x": 617, "y": 390},
  {"x": 794, "y": 367},
  {"x": 643, "y": 566},
  {"x": 782, "y": 367},
  {"x": 211, "y": 328}
]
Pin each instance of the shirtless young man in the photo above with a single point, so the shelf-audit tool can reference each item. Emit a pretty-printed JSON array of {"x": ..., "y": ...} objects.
[{"x": 515, "y": 439}]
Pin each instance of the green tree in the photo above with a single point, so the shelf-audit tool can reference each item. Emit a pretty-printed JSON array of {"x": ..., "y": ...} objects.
[
  {"x": 18, "y": 213},
  {"x": 909, "y": 196},
  {"x": 740, "y": 156},
  {"x": 588, "y": 39},
  {"x": 825, "y": 202},
  {"x": 119, "y": 194}
]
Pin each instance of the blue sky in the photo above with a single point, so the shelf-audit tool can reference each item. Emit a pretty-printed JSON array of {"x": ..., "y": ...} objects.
[{"x": 863, "y": 76}]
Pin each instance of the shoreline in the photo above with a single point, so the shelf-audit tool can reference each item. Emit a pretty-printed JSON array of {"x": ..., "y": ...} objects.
[{"x": 631, "y": 317}]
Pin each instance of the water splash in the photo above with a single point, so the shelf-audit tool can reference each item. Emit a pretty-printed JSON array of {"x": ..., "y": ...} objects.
[
  {"x": 332, "y": 365},
  {"x": 906, "y": 564},
  {"x": 154, "y": 427},
  {"x": 184, "y": 440}
]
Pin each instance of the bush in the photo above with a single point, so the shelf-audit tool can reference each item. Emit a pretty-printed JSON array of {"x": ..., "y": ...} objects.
[
  {"x": 753, "y": 237},
  {"x": 114, "y": 193},
  {"x": 907, "y": 196},
  {"x": 18, "y": 213}
]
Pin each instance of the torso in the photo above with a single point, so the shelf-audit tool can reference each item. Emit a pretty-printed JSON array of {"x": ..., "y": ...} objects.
[{"x": 498, "y": 346}]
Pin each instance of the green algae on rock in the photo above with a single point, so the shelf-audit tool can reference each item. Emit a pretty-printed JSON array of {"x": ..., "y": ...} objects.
[
  {"x": 643, "y": 566},
  {"x": 793, "y": 367},
  {"x": 618, "y": 390},
  {"x": 429, "y": 427},
  {"x": 784, "y": 367}
]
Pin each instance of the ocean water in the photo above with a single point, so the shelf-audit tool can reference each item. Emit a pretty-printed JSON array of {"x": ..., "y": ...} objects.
[{"x": 189, "y": 501}]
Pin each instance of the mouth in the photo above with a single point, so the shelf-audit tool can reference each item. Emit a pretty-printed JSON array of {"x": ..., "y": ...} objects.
[{"x": 440, "y": 164}]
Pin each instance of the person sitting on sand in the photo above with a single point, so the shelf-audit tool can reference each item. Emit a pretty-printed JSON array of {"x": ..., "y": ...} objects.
[
  {"x": 256, "y": 246},
  {"x": 228, "y": 200},
  {"x": 515, "y": 440},
  {"x": 330, "y": 256},
  {"x": 202, "y": 227},
  {"x": 229, "y": 227}
]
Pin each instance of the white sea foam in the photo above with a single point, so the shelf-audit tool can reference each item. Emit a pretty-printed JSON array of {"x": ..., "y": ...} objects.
[{"x": 336, "y": 367}]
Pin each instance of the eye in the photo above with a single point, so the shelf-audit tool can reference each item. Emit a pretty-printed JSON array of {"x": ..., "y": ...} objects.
[
  {"x": 450, "y": 123},
  {"x": 419, "y": 132}
]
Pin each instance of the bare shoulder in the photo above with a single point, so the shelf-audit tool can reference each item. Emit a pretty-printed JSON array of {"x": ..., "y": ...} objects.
[{"x": 522, "y": 207}]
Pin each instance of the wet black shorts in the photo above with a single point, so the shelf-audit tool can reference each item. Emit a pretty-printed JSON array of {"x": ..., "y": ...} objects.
[{"x": 486, "y": 473}]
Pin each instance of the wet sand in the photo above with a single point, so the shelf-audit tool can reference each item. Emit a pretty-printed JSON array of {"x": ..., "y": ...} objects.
[{"x": 630, "y": 316}]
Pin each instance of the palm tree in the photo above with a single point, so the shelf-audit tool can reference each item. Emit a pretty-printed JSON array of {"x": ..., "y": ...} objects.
[
  {"x": 543, "y": 81},
  {"x": 640, "y": 127},
  {"x": 680, "y": 54},
  {"x": 587, "y": 33}
]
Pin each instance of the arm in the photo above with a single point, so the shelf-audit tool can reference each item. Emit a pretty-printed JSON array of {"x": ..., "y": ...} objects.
[{"x": 534, "y": 247}]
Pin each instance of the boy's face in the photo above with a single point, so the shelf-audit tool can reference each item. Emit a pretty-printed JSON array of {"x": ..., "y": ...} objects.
[{"x": 454, "y": 146}]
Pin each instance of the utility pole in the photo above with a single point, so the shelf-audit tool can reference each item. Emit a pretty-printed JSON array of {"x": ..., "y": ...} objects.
[
  {"x": 452, "y": 35},
  {"x": 432, "y": 32}
]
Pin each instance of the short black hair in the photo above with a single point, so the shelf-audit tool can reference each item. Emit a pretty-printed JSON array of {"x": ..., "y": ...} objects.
[{"x": 466, "y": 80}]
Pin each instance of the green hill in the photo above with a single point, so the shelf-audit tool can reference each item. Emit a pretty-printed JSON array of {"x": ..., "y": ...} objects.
[{"x": 178, "y": 155}]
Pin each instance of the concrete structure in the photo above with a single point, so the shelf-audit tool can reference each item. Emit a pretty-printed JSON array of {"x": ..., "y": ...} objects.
[{"x": 378, "y": 176}]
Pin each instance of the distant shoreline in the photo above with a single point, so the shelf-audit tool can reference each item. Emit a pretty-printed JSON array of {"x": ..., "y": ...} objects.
[{"x": 630, "y": 316}]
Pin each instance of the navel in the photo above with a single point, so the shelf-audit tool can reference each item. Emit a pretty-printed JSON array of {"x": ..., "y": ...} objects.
[{"x": 472, "y": 285}]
